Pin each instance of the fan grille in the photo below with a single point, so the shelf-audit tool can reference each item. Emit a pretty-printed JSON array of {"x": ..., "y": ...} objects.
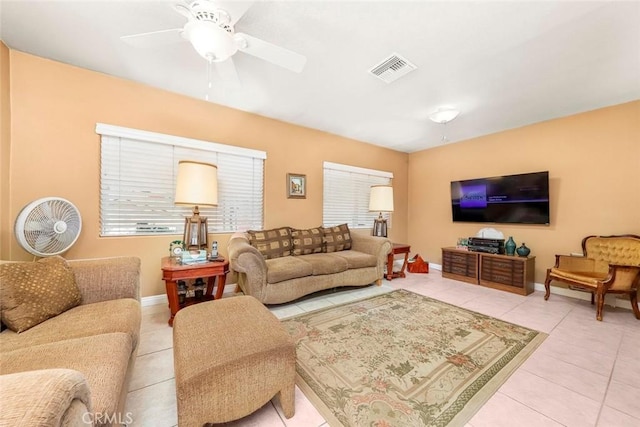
[{"x": 48, "y": 226}]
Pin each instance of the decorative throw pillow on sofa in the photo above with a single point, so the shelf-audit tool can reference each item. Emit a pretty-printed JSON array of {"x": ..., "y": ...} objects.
[
  {"x": 32, "y": 292},
  {"x": 337, "y": 238},
  {"x": 274, "y": 243},
  {"x": 309, "y": 241}
]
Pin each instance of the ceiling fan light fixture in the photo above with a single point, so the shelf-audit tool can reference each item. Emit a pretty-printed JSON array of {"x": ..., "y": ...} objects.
[
  {"x": 210, "y": 32},
  {"x": 211, "y": 41},
  {"x": 444, "y": 115}
]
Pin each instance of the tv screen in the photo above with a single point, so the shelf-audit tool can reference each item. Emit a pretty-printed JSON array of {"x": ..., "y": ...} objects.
[{"x": 514, "y": 199}]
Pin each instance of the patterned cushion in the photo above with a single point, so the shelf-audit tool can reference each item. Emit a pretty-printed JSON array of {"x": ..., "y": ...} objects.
[
  {"x": 307, "y": 242},
  {"x": 32, "y": 292},
  {"x": 337, "y": 238},
  {"x": 274, "y": 243}
]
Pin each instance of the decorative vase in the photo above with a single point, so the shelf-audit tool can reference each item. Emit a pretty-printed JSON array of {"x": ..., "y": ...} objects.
[
  {"x": 523, "y": 250},
  {"x": 510, "y": 246}
]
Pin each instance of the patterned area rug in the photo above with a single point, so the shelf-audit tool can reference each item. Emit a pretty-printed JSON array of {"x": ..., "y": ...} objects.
[{"x": 403, "y": 359}]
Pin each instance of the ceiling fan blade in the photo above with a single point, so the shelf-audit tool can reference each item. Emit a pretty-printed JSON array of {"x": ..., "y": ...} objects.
[
  {"x": 228, "y": 73},
  {"x": 235, "y": 9},
  {"x": 154, "y": 38},
  {"x": 269, "y": 52},
  {"x": 183, "y": 9}
]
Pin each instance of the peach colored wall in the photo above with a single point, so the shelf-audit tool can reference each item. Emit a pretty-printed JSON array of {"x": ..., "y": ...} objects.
[
  {"x": 593, "y": 161},
  {"x": 55, "y": 108},
  {"x": 5, "y": 149}
]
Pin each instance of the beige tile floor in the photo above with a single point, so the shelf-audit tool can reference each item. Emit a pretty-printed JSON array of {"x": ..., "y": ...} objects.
[{"x": 586, "y": 373}]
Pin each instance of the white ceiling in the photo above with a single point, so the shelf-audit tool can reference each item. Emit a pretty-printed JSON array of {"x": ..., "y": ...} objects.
[{"x": 503, "y": 64}]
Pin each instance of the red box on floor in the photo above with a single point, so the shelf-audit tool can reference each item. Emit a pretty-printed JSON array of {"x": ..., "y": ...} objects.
[{"x": 417, "y": 265}]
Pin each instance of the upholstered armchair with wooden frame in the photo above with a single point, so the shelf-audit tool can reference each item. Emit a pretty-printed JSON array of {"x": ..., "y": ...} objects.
[{"x": 610, "y": 264}]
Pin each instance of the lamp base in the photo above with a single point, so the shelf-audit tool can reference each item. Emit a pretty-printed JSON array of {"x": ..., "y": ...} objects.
[
  {"x": 195, "y": 232},
  {"x": 379, "y": 227}
]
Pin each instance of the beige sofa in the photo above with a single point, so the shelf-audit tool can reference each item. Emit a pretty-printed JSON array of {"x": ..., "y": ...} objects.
[
  {"x": 73, "y": 369},
  {"x": 287, "y": 278}
]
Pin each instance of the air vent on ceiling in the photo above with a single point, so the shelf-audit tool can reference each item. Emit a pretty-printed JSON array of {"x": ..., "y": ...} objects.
[{"x": 392, "y": 68}]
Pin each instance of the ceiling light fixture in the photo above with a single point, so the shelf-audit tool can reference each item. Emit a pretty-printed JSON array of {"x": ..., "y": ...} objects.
[
  {"x": 211, "y": 41},
  {"x": 444, "y": 115}
]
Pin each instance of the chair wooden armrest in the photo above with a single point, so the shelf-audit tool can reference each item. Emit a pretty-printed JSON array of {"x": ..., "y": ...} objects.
[
  {"x": 622, "y": 277},
  {"x": 574, "y": 263}
]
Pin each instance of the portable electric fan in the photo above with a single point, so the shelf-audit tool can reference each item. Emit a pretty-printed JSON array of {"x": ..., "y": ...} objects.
[{"x": 48, "y": 226}]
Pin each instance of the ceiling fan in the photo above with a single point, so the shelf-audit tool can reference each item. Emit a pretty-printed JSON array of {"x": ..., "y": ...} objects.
[{"x": 210, "y": 29}]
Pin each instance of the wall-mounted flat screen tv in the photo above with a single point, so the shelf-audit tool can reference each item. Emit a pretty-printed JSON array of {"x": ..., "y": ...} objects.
[{"x": 513, "y": 199}]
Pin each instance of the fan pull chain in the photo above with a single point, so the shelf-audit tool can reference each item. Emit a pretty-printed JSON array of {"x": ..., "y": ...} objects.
[
  {"x": 444, "y": 138},
  {"x": 209, "y": 84}
]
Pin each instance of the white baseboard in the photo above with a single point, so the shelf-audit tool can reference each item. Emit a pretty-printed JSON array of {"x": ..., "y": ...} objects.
[
  {"x": 609, "y": 300},
  {"x": 162, "y": 298},
  {"x": 154, "y": 300}
]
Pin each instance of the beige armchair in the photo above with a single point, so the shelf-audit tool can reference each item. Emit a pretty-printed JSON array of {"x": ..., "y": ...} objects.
[{"x": 611, "y": 264}]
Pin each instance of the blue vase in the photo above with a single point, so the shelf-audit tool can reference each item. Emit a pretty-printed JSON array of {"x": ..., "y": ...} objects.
[
  {"x": 523, "y": 250},
  {"x": 510, "y": 246}
]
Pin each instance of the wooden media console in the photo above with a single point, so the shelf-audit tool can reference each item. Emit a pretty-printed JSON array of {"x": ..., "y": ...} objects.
[{"x": 505, "y": 272}]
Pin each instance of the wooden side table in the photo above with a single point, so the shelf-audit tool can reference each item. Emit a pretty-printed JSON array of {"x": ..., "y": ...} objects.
[
  {"x": 172, "y": 272},
  {"x": 398, "y": 248}
]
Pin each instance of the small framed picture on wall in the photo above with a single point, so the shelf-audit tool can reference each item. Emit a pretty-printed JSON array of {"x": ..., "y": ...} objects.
[{"x": 296, "y": 186}]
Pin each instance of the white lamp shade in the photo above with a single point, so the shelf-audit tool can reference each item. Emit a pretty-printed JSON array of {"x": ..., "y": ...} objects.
[
  {"x": 381, "y": 198},
  {"x": 197, "y": 184},
  {"x": 210, "y": 41}
]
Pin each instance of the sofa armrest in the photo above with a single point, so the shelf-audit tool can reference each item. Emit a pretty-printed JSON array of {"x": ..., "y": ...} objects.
[
  {"x": 48, "y": 397},
  {"x": 372, "y": 245},
  {"x": 103, "y": 279},
  {"x": 249, "y": 264},
  {"x": 379, "y": 247}
]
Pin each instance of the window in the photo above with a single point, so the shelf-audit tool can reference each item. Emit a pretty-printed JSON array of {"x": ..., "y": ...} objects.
[
  {"x": 137, "y": 183},
  {"x": 346, "y": 195}
]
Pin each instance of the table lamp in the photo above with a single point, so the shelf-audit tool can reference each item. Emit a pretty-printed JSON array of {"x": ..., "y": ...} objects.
[
  {"x": 381, "y": 200},
  {"x": 196, "y": 185}
]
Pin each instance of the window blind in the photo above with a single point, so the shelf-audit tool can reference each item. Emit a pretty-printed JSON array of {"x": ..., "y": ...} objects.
[
  {"x": 137, "y": 184},
  {"x": 346, "y": 195}
]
